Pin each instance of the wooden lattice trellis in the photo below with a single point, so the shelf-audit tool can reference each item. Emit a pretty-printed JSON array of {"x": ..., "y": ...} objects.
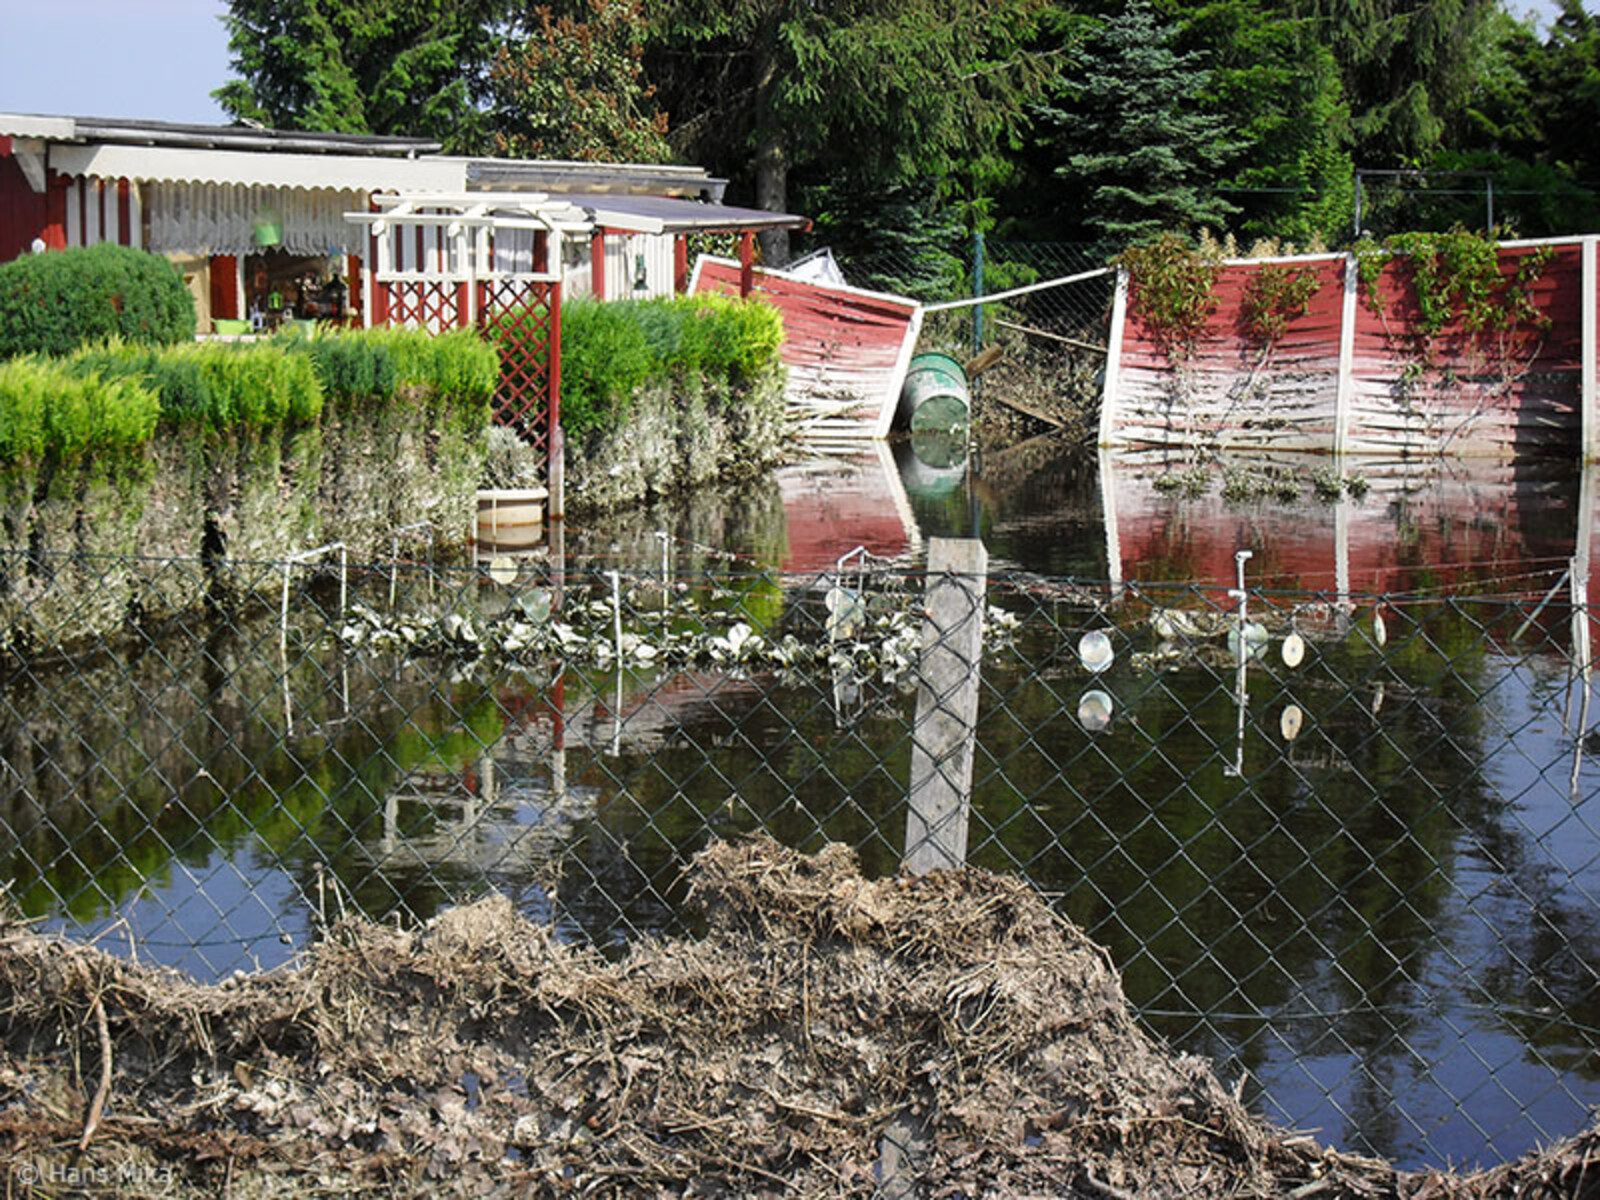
[
  {"x": 481, "y": 260},
  {"x": 524, "y": 319}
]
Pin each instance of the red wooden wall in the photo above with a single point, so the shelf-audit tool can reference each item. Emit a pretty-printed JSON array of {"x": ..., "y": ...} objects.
[
  {"x": 1493, "y": 392},
  {"x": 22, "y": 210}
]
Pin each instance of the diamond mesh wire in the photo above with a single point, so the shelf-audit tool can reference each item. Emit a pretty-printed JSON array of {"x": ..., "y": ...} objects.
[{"x": 1345, "y": 845}]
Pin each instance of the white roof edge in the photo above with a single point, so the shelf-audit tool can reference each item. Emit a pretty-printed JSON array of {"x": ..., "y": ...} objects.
[
  {"x": 338, "y": 172},
  {"x": 24, "y": 125}
]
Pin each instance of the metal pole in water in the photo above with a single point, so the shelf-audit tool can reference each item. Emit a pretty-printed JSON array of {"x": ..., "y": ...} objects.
[
  {"x": 977, "y": 290},
  {"x": 666, "y": 583},
  {"x": 1241, "y": 679}
]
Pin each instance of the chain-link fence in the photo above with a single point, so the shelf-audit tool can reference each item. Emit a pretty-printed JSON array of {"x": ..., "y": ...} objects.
[
  {"x": 983, "y": 267},
  {"x": 1347, "y": 846}
]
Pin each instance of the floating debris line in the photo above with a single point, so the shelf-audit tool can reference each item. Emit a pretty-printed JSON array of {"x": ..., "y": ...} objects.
[{"x": 879, "y": 637}]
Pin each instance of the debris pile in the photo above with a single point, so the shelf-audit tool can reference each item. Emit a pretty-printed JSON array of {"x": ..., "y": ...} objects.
[{"x": 821, "y": 1016}]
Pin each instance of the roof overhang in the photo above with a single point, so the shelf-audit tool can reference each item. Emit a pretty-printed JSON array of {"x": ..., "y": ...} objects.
[
  {"x": 125, "y": 131},
  {"x": 622, "y": 179},
  {"x": 664, "y": 214},
  {"x": 363, "y": 173}
]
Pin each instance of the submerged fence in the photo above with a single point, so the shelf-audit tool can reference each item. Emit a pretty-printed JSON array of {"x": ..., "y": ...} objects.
[{"x": 1348, "y": 846}]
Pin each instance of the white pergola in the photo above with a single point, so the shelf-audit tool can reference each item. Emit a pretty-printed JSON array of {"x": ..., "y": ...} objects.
[{"x": 440, "y": 239}]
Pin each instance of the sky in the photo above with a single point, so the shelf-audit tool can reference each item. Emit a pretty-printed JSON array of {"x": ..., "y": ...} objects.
[{"x": 148, "y": 59}]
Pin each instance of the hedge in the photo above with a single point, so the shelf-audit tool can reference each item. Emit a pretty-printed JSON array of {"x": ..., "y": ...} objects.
[
  {"x": 46, "y": 412},
  {"x": 611, "y": 349},
  {"x": 224, "y": 453},
  {"x": 52, "y": 303}
]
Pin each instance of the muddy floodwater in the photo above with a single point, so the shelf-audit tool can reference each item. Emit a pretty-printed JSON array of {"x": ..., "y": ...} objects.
[{"x": 1367, "y": 889}]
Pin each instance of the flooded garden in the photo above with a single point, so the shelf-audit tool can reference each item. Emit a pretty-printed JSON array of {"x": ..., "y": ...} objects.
[{"x": 1344, "y": 845}]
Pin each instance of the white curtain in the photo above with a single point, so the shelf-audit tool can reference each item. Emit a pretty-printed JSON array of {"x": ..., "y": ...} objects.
[{"x": 209, "y": 218}]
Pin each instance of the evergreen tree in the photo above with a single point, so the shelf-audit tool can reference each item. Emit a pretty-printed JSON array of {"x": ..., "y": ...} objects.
[
  {"x": 403, "y": 67},
  {"x": 1408, "y": 68},
  {"x": 1140, "y": 148},
  {"x": 867, "y": 91},
  {"x": 1279, "y": 90}
]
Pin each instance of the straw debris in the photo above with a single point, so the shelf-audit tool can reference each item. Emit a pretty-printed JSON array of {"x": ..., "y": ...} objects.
[{"x": 954, "y": 1015}]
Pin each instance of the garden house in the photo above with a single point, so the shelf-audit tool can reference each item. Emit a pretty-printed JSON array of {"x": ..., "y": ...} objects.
[{"x": 255, "y": 218}]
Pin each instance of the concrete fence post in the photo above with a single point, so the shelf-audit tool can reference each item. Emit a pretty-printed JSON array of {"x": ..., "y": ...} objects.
[
  {"x": 1108, "y": 392},
  {"x": 1345, "y": 388},
  {"x": 944, "y": 736},
  {"x": 1589, "y": 391}
]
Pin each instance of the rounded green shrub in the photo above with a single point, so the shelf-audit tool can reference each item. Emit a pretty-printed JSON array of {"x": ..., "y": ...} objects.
[{"x": 53, "y": 303}]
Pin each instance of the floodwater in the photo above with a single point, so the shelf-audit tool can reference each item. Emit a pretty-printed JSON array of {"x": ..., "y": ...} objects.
[{"x": 1368, "y": 888}]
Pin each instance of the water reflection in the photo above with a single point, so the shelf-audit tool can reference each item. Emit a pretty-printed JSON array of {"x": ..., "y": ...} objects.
[{"x": 1364, "y": 874}]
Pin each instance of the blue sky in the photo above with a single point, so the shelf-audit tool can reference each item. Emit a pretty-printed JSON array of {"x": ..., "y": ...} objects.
[{"x": 153, "y": 59}]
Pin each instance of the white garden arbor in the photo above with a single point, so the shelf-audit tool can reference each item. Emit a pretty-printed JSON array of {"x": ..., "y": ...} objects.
[{"x": 484, "y": 260}]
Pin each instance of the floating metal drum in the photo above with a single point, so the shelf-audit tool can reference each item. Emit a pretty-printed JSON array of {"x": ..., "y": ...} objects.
[
  {"x": 934, "y": 395},
  {"x": 933, "y": 464}
]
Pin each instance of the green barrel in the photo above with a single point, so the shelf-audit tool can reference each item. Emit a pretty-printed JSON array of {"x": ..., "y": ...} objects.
[{"x": 935, "y": 395}]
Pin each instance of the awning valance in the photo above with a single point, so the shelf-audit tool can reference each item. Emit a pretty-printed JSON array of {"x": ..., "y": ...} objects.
[
  {"x": 197, "y": 218},
  {"x": 246, "y": 169}
]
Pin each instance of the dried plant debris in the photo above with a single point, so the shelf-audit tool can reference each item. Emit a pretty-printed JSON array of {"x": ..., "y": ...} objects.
[{"x": 820, "y": 1019}]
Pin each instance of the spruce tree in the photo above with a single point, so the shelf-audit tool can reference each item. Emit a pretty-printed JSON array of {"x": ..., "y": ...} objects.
[{"x": 1149, "y": 152}]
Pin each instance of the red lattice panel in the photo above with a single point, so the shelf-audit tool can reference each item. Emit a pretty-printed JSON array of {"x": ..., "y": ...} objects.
[
  {"x": 424, "y": 304},
  {"x": 520, "y": 317}
]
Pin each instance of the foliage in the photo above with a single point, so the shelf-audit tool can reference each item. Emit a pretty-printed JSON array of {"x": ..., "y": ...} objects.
[
  {"x": 215, "y": 386},
  {"x": 48, "y": 411},
  {"x": 1276, "y": 295},
  {"x": 1408, "y": 67},
  {"x": 1171, "y": 284},
  {"x": 612, "y": 349},
  {"x": 53, "y": 303},
  {"x": 1279, "y": 90},
  {"x": 882, "y": 92},
  {"x": 458, "y": 366},
  {"x": 351, "y": 365},
  {"x": 415, "y": 67},
  {"x": 572, "y": 88},
  {"x": 1456, "y": 278},
  {"x": 605, "y": 358},
  {"x": 1133, "y": 132},
  {"x": 899, "y": 239},
  {"x": 710, "y": 334},
  {"x": 221, "y": 386}
]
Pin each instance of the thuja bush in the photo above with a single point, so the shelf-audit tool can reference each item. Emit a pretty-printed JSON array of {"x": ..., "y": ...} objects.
[
  {"x": 713, "y": 334},
  {"x": 215, "y": 386},
  {"x": 605, "y": 359},
  {"x": 53, "y": 303},
  {"x": 611, "y": 350},
  {"x": 459, "y": 369},
  {"x": 50, "y": 412}
]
